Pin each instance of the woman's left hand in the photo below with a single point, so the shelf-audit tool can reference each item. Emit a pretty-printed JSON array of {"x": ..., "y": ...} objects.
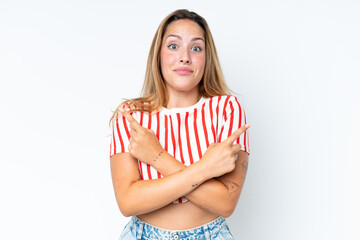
[{"x": 144, "y": 144}]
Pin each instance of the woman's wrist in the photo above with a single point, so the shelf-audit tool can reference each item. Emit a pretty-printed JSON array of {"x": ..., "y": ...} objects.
[
  {"x": 166, "y": 164},
  {"x": 202, "y": 170}
]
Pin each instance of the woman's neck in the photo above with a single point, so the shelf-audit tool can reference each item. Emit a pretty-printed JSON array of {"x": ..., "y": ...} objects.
[{"x": 181, "y": 100}]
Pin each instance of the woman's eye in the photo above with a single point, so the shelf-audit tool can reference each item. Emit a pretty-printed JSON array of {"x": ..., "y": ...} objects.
[
  {"x": 196, "y": 49},
  {"x": 173, "y": 46}
]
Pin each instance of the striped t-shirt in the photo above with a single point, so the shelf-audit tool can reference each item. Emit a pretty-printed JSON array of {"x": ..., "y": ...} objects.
[{"x": 185, "y": 133}]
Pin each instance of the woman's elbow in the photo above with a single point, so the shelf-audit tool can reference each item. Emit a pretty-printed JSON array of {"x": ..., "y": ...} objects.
[
  {"x": 125, "y": 212},
  {"x": 226, "y": 214},
  {"x": 227, "y": 210},
  {"x": 125, "y": 208}
]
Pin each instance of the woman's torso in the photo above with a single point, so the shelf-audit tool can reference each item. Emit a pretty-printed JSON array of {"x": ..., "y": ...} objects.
[
  {"x": 186, "y": 133},
  {"x": 178, "y": 216}
]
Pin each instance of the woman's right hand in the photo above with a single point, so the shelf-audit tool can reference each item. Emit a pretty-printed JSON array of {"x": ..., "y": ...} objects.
[
  {"x": 144, "y": 145},
  {"x": 220, "y": 158}
]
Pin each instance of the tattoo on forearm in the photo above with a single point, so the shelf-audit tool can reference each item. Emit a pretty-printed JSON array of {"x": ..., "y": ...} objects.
[
  {"x": 232, "y": 187},
  {"x": 244, "y": 165},
  {"x": 160, "y": 153}
]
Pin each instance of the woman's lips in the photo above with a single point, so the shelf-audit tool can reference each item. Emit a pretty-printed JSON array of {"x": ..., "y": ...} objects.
[{"x": 183, "y": 71}]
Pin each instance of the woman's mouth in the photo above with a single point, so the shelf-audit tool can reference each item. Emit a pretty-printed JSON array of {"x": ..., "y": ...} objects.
[{"x": 183, "y": 71}]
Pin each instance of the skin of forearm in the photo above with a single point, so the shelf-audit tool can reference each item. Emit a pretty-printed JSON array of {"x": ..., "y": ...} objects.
[
  {"x": 170, "y": 188},
  {"x": 208, "y": 195}
]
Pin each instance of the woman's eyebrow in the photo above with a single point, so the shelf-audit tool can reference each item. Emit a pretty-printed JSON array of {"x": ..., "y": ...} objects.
[
  {"x": 198, "y": 38},
  {"x": 180, "y": 38},
  {"x": 175, "y": 36}
]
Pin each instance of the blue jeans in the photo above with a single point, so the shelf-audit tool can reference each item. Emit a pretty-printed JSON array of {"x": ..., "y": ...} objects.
[{"x": 137, "y": 229}]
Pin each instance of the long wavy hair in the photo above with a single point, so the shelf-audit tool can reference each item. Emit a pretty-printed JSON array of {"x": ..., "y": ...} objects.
[{"x": 154, "y": 93}]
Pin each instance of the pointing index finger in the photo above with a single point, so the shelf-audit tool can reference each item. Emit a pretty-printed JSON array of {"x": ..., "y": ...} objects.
[
  {"x": 130, "y": 118},
  {"x": 237, "y": 133}
]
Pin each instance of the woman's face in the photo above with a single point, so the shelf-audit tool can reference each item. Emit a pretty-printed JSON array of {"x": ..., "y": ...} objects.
[{"x": 182, "y": 56}]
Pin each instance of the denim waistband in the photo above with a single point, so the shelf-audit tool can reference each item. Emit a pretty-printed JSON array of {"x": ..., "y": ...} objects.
[{"x": 149, "y": 231}]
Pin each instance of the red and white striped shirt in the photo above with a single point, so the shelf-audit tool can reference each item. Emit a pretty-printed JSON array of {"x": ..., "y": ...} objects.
[{"x": 185, "y": 133}]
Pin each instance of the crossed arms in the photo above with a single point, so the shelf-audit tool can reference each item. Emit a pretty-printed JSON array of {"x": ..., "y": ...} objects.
[{"x": 218, "y": 177}]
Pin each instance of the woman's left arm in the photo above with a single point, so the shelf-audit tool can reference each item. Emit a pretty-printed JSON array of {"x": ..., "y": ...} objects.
[{"x": 225, "y": 189}]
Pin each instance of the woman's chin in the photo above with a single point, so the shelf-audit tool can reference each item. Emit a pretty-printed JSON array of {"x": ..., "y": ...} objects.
[{"x": 182, "y": 86}]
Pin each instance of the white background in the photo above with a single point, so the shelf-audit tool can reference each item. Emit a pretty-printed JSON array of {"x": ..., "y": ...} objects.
[{"x": 64, "y": 65}]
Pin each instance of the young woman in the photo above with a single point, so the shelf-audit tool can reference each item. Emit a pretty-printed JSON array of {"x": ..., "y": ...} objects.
[{"x": 179, "y": 153}]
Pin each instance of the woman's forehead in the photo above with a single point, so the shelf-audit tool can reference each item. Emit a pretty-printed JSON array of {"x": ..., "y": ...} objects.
[{"x": 184, "y": 27}]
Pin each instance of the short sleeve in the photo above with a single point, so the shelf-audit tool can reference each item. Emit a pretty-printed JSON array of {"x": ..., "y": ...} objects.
[
  {"x": 233, "y": 118},
  {"x": 120, "y": 135}
]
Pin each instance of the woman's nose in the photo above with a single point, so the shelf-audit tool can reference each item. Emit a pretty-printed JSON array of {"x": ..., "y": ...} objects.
[
  {"x": 185, "y": 61},
  {"x": 185, "y": 57}
]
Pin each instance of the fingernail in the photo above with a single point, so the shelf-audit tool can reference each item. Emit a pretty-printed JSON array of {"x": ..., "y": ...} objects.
[
  {"x": 121, "y": 110},
  {"x": 247, "y": 125}
]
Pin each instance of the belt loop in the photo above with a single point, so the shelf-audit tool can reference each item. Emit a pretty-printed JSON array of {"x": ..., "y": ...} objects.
[
  {"x": 207, "y": 232},
  {"x": 139, "y": 231}
]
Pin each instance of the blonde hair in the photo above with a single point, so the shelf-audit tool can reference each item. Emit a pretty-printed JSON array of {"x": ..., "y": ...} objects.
[{"x": 153, "y": 93}]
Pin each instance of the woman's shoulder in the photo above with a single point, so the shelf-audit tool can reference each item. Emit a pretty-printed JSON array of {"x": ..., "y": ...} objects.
[
  {"x": 224, "y": 100},
  {"x": 125, "y": 105}
]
